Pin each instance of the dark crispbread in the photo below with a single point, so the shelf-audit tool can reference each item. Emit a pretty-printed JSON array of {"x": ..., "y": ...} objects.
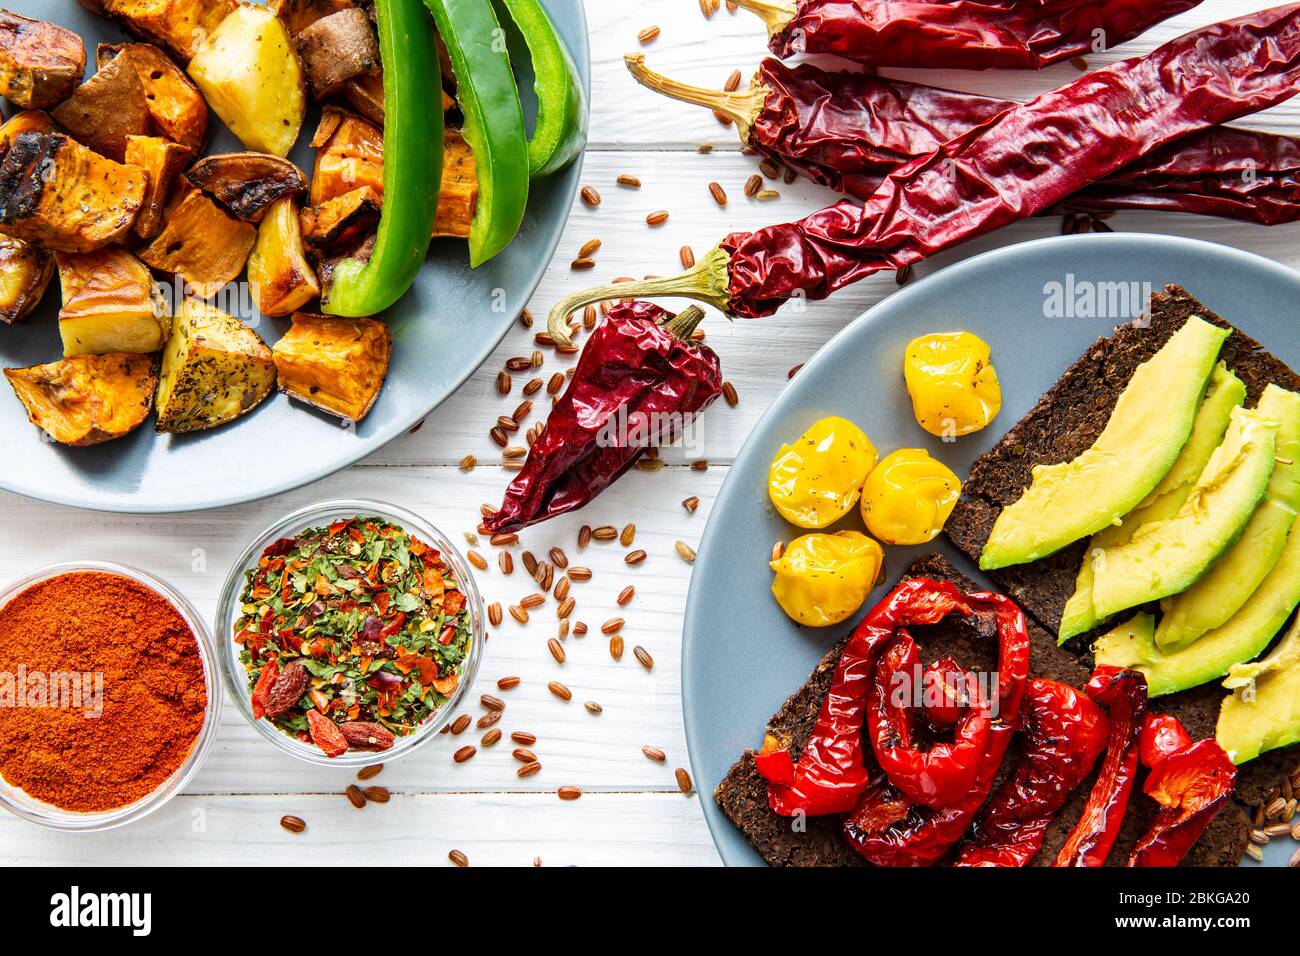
[{"x": 742, "y": 795}]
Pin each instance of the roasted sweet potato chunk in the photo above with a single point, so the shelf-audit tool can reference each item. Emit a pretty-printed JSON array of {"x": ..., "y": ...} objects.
[
  {"x": 40, "y": 63},
  {"x": 174, "y": 103},
  {"x": 246, "y": 184},
  {"x": 87, "y": 399},
  {"x": 335, "y": 364},
  {"x": 162, "y": 160},
  {"x": 24, "y": 121},
  {"x": 201, "y": 244},
  {"x": 106, "y": 109},
  {"x": 279, "y": 275},
  {"x": 337, "y": 48},
  {"x": 178, "y": 26},
  {"x": 25, "y": 271},
  {"x": 109, "y": 304},
  {"x": 58, "y": 194},
  {"x": 343, "y": 221}
]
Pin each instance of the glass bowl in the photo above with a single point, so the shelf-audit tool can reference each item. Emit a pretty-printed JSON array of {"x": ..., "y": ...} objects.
[
  {"x": 18, "y": 801},
  {"x": 228, "y": 612}
]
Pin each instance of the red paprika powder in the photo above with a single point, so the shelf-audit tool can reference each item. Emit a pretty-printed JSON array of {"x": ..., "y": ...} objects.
[{"x": 110, "y": 750}]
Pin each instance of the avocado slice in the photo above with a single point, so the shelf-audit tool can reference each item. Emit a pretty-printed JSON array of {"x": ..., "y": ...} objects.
[
  {"x": 1242, "y": 638},
  {"x": 1074, "y": 499},
  {"x": 1169, "y": 556},
  {"x": 1225, "y": 393},
  {"x": 1235, "y": 576},
  {"x": 1264, "y": 711}
]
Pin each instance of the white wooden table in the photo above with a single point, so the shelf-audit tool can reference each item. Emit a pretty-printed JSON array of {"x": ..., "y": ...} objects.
[{"x": 631, "y": 811}]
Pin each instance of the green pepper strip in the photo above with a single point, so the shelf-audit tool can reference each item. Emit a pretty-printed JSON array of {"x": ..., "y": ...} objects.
[
  {"x": 412, "y": 166},
  {"x": 560, "y": 132},
  {"x": 494, "y": 121}
]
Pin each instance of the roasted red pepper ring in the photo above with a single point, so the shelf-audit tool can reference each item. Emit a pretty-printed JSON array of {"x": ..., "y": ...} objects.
[
  {"x": 1190, "y": 781},
  {"x": 936, "y": 777},
  {"x": 1124, "y": 695},
  {"x": 1064, "y": 732}
]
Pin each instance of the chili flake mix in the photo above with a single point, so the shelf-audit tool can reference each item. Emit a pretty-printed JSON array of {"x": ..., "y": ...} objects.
[{"x": 352, "y": 634}]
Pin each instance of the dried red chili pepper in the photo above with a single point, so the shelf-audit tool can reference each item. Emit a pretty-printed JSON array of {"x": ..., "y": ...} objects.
[
  {"x": 1021, "y": 162},
  {"x": 1064, "y": 734},
  {"x": 262, "y": 689},
  {"x": 639, "y": 381},
  {"x": 1124, "y": 695},
  {"x": 957, "y": 34},
  {"x": 1190, "y": 781},
  {"x": 848, "y": 130},
  {"x": 325, "y": 734},
  {"x": 888, "y": 829}
]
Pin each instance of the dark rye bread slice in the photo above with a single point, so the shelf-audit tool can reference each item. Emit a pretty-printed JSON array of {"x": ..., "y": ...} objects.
[
  {"x": 742, "y": 795},
  {"x": 1062, "y": 425}
]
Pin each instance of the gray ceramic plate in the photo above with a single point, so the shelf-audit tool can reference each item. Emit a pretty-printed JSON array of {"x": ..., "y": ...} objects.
[
  {"x": 443, "y": 329},
  {"x": 742, "y": 656}
]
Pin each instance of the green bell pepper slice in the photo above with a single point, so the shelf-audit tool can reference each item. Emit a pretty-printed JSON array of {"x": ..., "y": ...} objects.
[
  {"x": 560, "y": 132},
  {"x": 494, "y": 121},
  {"x": 412, "y": 166}
]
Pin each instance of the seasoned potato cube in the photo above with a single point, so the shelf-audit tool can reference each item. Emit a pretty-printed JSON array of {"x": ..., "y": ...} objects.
[
  {"x": 87, "y": 399},
  {"x": 58, "y": 194},
  {"x": 335, "y": 364},
  {"x": 162, "y": 160},
  {"x": 215, "y": 369},
  {"x": 110, "y": 304},
  {"x": 245, "y": 184},
  {"x": 279, "y": 275},
  {"x": 40, "y": 63},
  {"x": 250, "y": 75},
  {"x": 106, "y": 109},
  {"x": 174, "y": 103},
  {"x": 176, "y": 25},
  {"x": 200, "y": 243},
  {"x": 25, "y": 271}
]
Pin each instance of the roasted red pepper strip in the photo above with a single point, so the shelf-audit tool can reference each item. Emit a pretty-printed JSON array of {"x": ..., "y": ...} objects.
[
  {"x": 775, "y": 766},
  {"x": 1064, "y": 734},
  {"x": 848, "y": 130},
  {"x": 1190, "y": 781},
  {"x": 1023, "y": 161},
  {"x": 889, "y": 830},
  {"x": 1124, "y": 695},
  {"x": 936, "y": 777},
  {"x": 957, "y": 34},
  {"x": 639, "y": 381}
]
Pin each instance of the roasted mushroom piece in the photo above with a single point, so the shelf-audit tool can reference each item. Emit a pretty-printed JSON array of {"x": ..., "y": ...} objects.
[
  {"x": 336, "y": 49},
  {"x": 246, "y": 184},
  {"x": 40, "y": 63}
]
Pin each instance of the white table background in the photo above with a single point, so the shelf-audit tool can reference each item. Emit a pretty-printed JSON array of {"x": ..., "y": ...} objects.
[{"x": 631, "y": 811}]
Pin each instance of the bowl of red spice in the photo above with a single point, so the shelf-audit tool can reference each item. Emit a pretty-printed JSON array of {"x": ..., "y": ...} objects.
[
  {"x": 109, "y": 697},
  {"x": 352, "y": 629}
]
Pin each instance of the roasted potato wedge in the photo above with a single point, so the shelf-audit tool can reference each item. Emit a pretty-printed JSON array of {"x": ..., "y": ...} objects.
[
  {"x": 215, "y": 369},
  {"x": 174, "y": 103},
  {"x": 350, "y": 155},
  {"x": 250, "y": 75},
  {"x": 40, "y": 63},
  {"x": 25, "y": 271},
  {"x": 246, "y": 184},
  {"x": 24, "y": 121},
  {"x": 200, "y": 243},
  {"x": 110, "y": 304},
  {"x": 178, "y": 26},
  {"x": 106, "y": 109},
  {"x": 88, "y": 399},
  {"x": 279, "y": 276},
  {"x": 341, "y": 222},
  {"x": 336, "y": 49},
  {"x": 335, "y": 364},
  {"x": 162, "y": 160},
  {"x": 300, "y": 14},
  {"x": 58, "y": 194}
]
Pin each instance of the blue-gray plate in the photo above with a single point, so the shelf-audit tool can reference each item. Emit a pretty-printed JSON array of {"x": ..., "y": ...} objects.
[
  {"x": 444, "y": 328},
  {"x": 741, "y": 655}
]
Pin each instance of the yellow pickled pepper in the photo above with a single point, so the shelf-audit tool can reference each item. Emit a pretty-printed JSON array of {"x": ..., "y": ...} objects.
[
  {"x": 953, "y": 385},
  {"x": 815, "y": 480},
  {"x": 822, "y": 579},
  {"x": 908, "y": 497}
]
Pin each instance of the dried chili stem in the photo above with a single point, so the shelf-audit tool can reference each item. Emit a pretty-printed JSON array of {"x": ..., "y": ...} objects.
[
  {"x": 706, "y": 282},
  {"x": 775, "y": 14},
  {"x": 742, "y": 108},
  {"x": 684, "y": 322}
]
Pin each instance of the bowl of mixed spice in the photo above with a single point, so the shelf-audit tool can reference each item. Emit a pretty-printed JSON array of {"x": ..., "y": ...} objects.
[
  {"x": 109, "y": 698},
  {"x": 353, "y": 629}
]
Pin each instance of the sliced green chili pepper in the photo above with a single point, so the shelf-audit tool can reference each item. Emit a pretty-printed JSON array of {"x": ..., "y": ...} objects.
[
  {"x": 560, "y": 132},
  {"x": 412, "y": 166},
  {"x": 494, "y": 121}
]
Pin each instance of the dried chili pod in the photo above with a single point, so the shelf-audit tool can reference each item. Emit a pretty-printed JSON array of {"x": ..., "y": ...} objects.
[{"x": 639, "y": 383}]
